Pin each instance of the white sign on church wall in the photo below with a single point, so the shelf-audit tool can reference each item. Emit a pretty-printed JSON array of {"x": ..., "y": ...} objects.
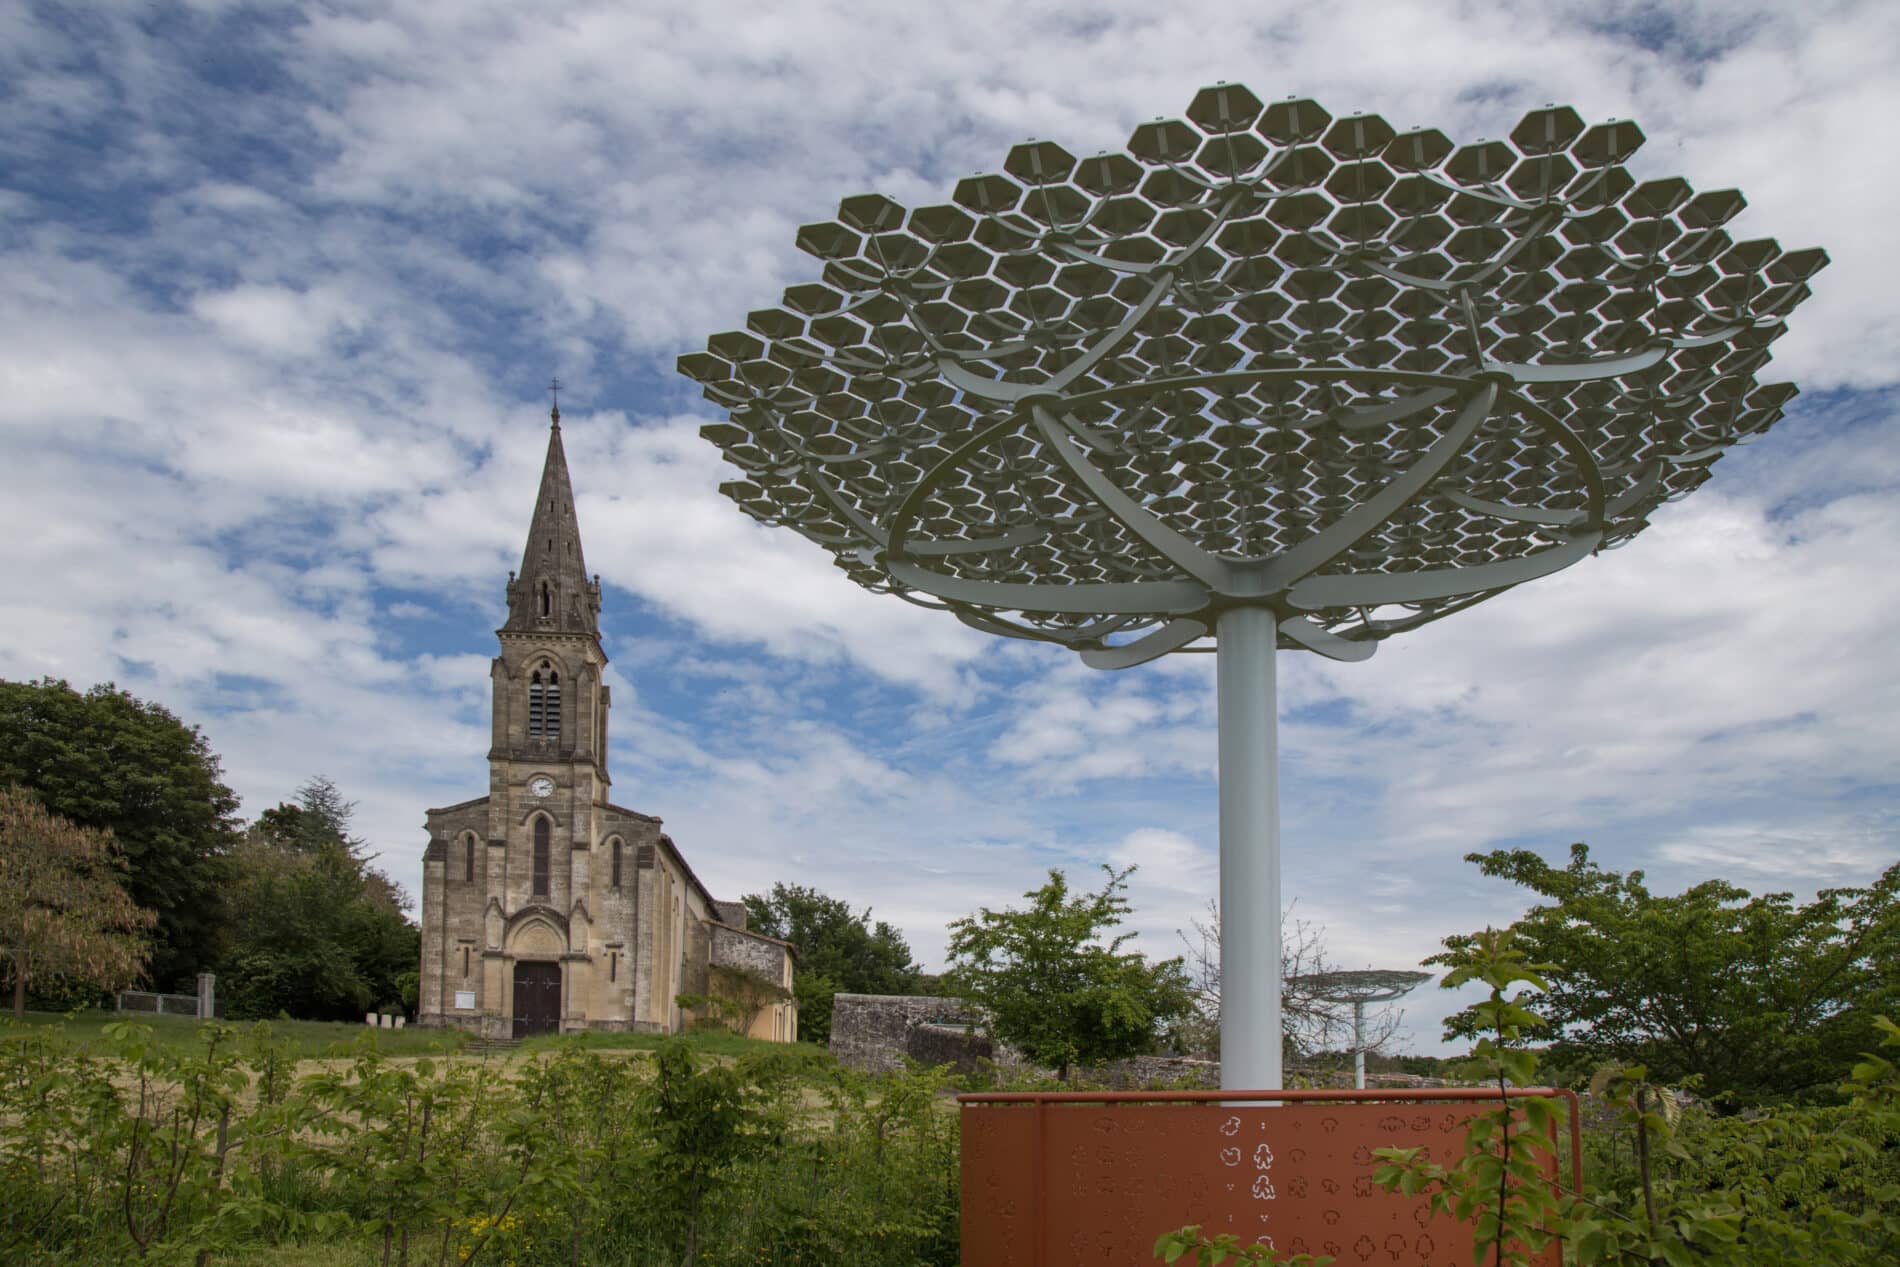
[{"x": 465, "y": 998}]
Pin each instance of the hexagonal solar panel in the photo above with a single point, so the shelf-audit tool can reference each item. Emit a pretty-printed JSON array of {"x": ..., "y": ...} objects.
[{"x": 1266, "y": 356}]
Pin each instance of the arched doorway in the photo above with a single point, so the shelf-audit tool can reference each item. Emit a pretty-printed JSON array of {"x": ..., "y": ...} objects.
[{"x": 537, "y": 1007}]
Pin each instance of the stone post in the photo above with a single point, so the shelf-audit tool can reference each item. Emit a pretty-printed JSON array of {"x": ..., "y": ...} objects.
[{"x": 207, "y": 996}]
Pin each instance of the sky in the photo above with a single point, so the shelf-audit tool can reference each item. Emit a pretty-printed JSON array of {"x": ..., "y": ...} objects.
[{"x": 282, "y": 285}]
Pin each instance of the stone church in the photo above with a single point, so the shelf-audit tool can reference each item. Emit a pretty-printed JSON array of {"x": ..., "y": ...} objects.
[{"x": 546, "y": 907}]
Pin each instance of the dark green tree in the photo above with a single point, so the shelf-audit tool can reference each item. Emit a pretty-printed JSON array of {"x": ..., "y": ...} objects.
[
  {"x": 1764, "y": 998},
  {"x": 320, "y": 816},
  {"x": 1056, "y": 985},
  {"x": 839, "y": 951},
  {"x": 315, "y": 930},
  {"x": 108, "y": 760},
  {"x": 701, "y": 1121}
]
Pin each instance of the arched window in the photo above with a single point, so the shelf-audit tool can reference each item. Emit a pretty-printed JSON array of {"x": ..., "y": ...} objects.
[
  {"x": 468, "y": 858},
  {"x": 547, "y": 597},
  {"x": 544, "y": 703},
  {"x": 540, "y": 857},
  {"x": 615, "y": 881}
]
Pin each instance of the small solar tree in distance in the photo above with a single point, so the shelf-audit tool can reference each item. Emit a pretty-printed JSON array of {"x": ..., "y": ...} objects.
[{"x": 1266, "y": 379}]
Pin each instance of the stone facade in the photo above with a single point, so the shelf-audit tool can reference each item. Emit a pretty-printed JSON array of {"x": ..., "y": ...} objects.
[
  {"x": 764, "y": 957},
  {"x": 545, "y": 906}
]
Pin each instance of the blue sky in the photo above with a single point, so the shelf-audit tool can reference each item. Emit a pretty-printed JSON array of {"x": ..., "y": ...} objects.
[{"x": 282, "y": 285}]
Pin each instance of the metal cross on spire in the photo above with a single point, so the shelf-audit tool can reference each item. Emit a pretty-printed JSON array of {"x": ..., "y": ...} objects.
[
  {"x": 554, "y": 396},
  {"x": 1268, "y": 379}
]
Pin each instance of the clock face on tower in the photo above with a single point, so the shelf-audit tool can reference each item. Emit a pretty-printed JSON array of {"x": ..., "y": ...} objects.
[{"x": 541, "y": 785}]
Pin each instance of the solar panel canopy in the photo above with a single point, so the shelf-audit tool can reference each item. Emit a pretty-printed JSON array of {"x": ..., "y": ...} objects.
[{"x": 1263, "y": 357}]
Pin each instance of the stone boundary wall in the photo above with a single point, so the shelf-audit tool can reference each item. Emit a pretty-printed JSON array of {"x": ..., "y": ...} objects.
[
  {"x": 872, "y": 1032},
  {"x": 960, "y": 1046},
  {"x": 1148, "y": 1073}
]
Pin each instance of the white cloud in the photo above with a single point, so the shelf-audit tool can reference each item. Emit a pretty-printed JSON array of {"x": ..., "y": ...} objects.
[
  {"x": 268, "y": 370},
  {"x": 1847, "y": 850}
]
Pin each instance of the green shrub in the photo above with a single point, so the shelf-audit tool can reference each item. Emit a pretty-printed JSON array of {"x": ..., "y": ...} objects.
[
  {"x": 136, "y": 1146},
  {"x": 1791, "y": 1185}
]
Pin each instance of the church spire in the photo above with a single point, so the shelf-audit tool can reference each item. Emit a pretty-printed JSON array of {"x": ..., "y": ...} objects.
[{"x": 553, "y": 593}]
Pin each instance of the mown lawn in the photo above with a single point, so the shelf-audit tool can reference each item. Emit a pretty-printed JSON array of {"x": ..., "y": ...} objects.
[
  {"x": 714, "y": 1042},
  {"x": 311, "y": 1039},
  {"x": 329, "y": 1039}
]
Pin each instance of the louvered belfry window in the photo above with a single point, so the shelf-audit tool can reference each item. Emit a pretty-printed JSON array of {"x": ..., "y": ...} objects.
[
  {"x": 544, "y": 703},
  {"x": 540, "y": 857}
]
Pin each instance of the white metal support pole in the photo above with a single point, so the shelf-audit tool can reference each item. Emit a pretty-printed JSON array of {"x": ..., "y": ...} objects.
[
  {"x": 1247, "y": 638},
  {"x": 1359, "y": 1044}
]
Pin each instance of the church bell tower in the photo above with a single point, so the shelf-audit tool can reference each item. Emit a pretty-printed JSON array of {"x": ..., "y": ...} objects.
[{"x": 550, "y": 706}]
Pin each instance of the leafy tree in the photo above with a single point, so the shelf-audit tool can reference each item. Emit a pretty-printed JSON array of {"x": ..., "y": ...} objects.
[
  {"x": 64, "y": 911},
  {"x": 1763, "y": 998},
  {"x": 1053, "y": 988},
  {"x": 319, "y": 817},
  {"x": 839, "y": 952},
  {"x": 698, "y": 1120},
  {"x": 315, "y": 930},
  {"x": 107, "y": 760},
  {"x": 1795, "y": 1185}
]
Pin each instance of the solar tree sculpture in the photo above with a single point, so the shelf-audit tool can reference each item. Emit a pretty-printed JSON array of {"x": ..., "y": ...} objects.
[
  {"x": 1360, "y": 987},
  {"x": 1268, "y": 379}
]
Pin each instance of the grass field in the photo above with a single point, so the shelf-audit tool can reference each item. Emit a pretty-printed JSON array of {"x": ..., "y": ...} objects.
[
  {"x": 311, "y": 1039},
  {"x": 714, "y": 1042},
  {"x": 314, "y": 1040},
  {"x": 335, "y": 1254}
]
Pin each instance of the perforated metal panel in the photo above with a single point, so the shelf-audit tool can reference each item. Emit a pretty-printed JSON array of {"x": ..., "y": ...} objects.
[{"x": 1072, "y": 1179}]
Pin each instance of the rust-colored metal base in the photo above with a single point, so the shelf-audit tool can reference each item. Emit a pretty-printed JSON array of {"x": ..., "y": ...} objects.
[{"x": 1093, "y": 1178}]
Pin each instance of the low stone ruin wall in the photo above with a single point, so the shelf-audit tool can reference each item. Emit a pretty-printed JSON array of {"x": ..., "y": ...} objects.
[
  {"x": 960, "y": 1046},
  {"x": 1151, "y": 1073},
  {"x": 876, "y": 1032},
  {"x": 872, "y": 1032}
]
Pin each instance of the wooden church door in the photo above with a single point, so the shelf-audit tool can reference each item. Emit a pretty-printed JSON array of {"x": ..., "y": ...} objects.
[{"x": 537, "y": 998}]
